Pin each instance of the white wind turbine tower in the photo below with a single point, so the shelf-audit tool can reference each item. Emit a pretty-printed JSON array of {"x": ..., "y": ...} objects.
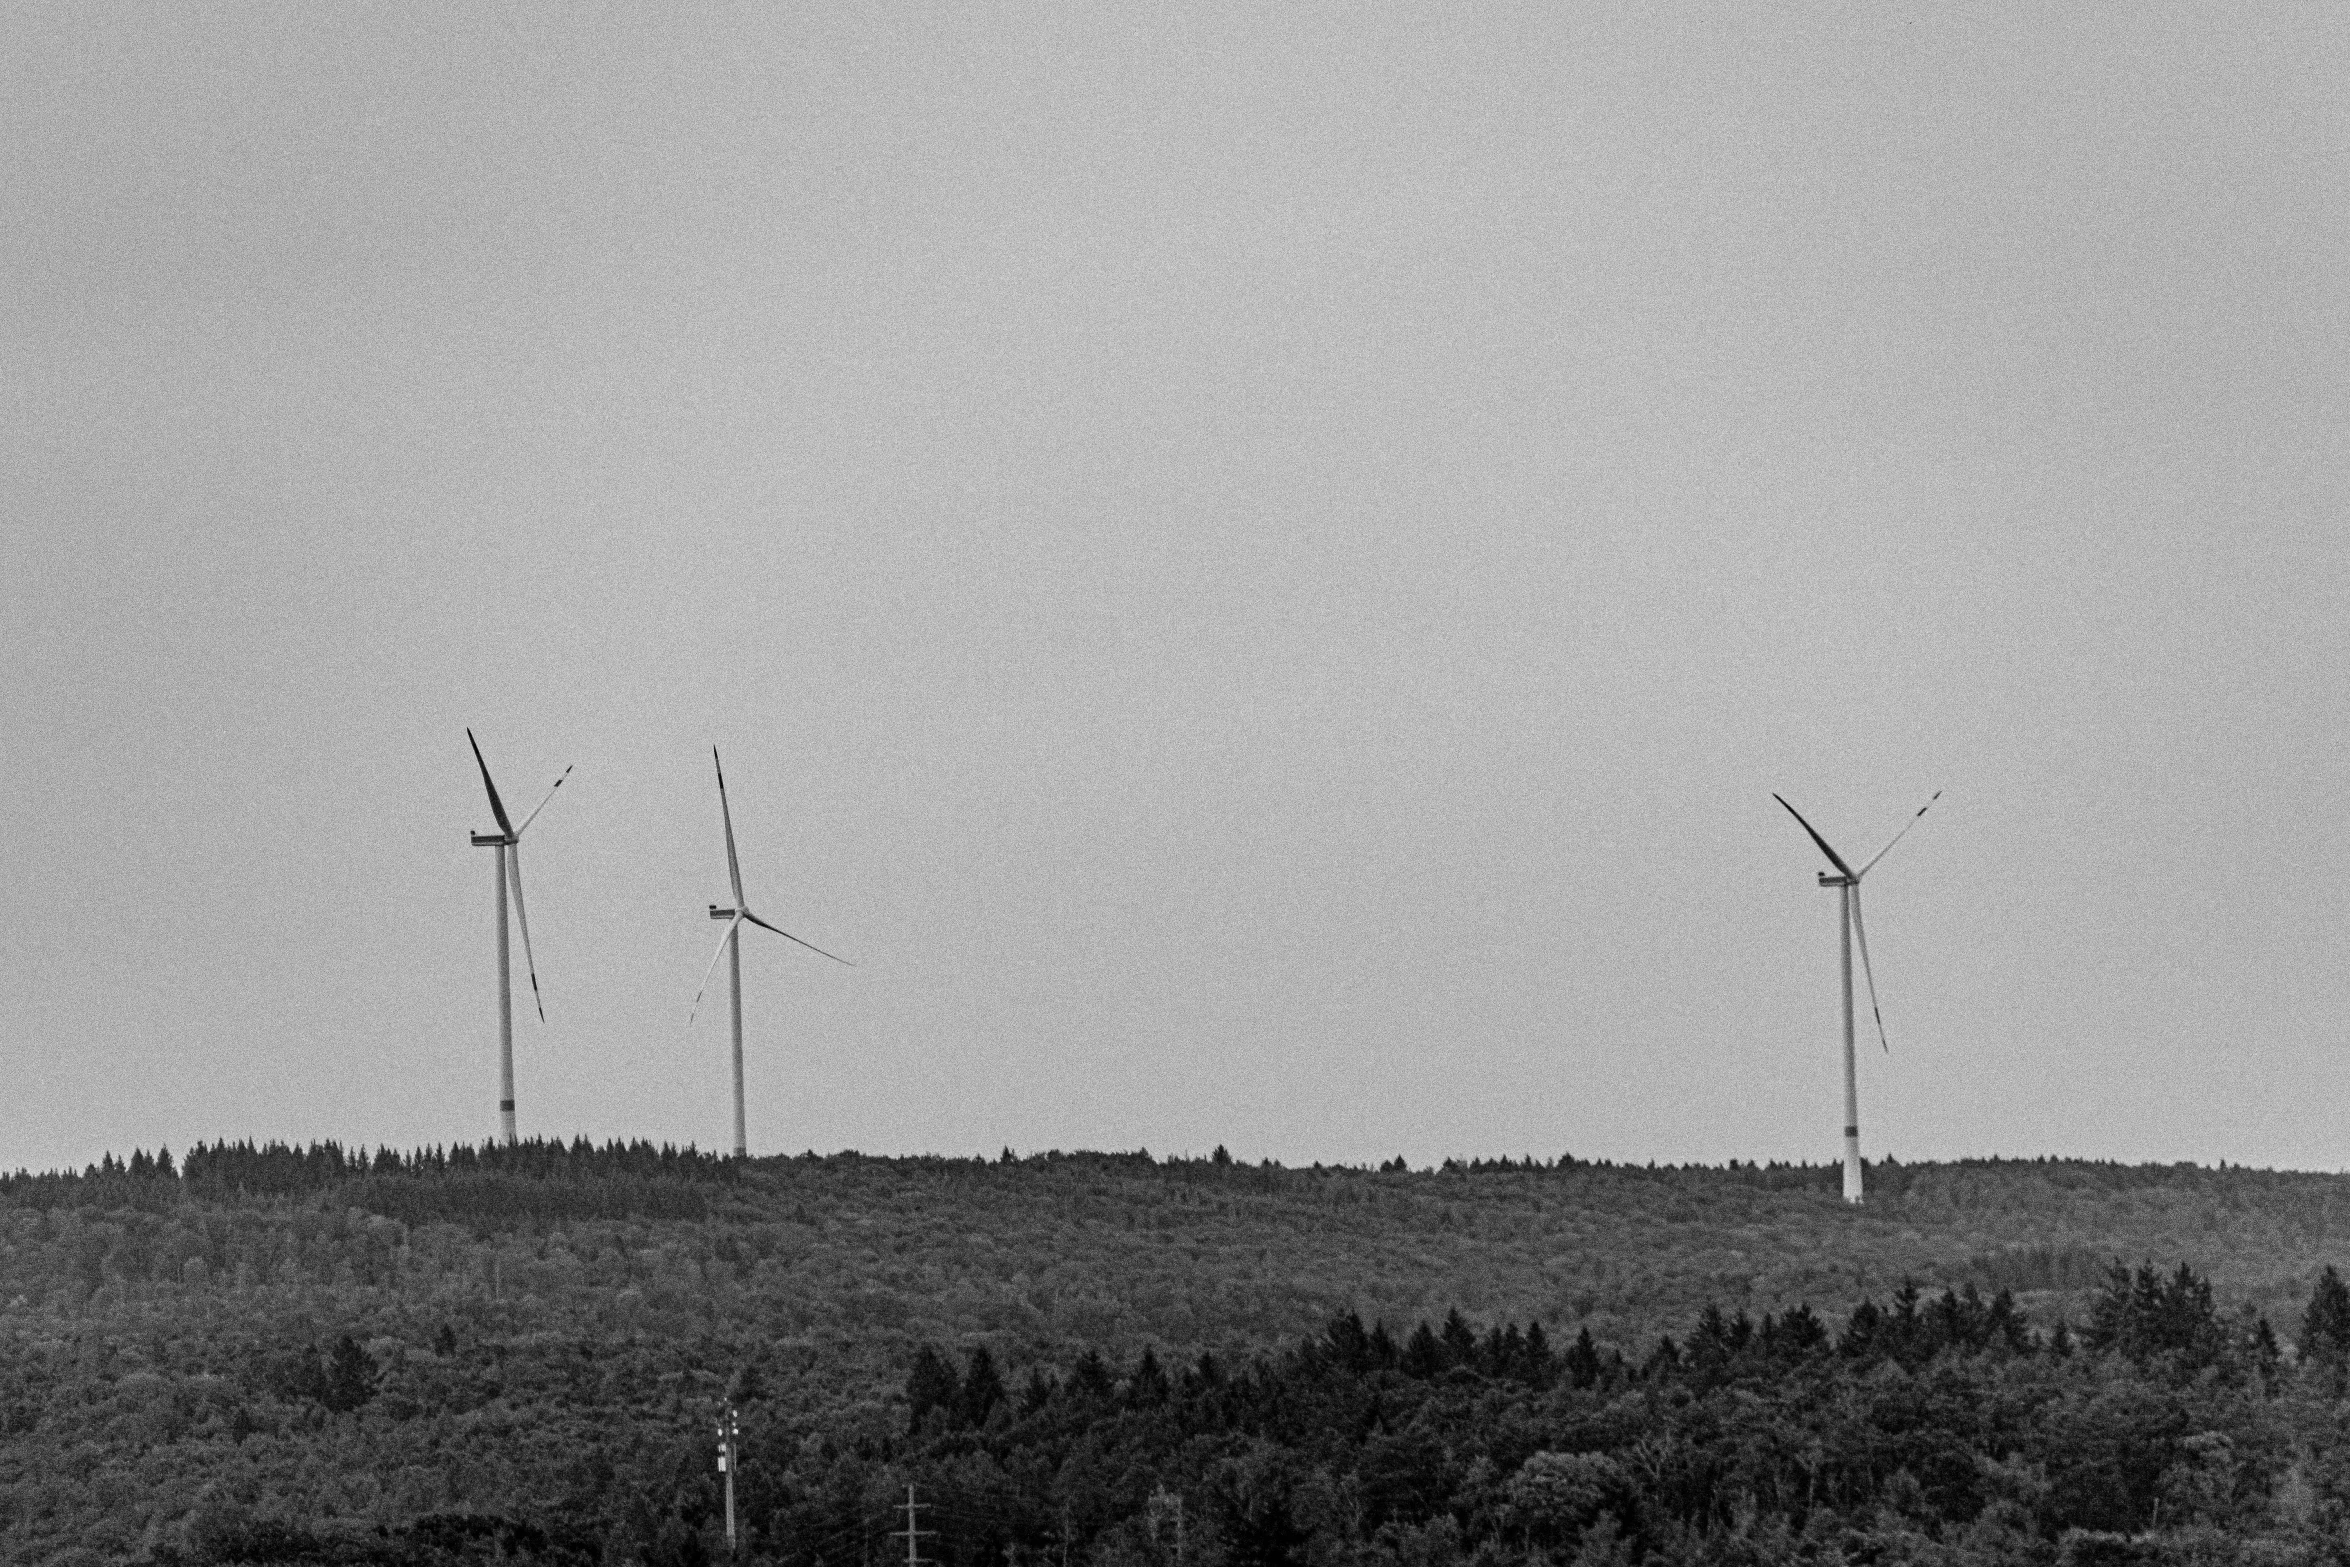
[
  {"x": 507, "y": 840},
  {"x": 1848, "y": 924},
  {"x": 730, "y": 947}
]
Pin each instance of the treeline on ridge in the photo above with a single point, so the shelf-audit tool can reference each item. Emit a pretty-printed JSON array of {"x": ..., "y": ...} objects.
[
  {"x": 539, "y": 1179},
  {"x": 226, "y": 1171}
]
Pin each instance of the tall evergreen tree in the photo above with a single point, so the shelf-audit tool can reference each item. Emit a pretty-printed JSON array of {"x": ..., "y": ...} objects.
[
  {"x": 1423, "y": 1356},
  {"x": 350, "y": 1376},
  {"x": 1460, "y": 1340},
  {"x": 982, "y": 1389},
  {"x": 2325, "y": 1324},
  {"x": 1148, "y": 1387},
  {"x": 1541, "y": 1366},
  {"x": 1582, "y": 1361},
  {"x": 2325, "y": 1331},
  {"x": 932, "y": 1384}
]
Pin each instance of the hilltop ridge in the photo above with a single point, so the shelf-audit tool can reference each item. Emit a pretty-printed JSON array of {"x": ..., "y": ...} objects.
[
  {"x": 382, "y": 1338},
  {"x": 1125, "y": 1248}
]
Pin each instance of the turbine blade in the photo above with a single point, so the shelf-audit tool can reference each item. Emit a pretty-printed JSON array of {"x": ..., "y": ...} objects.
[
  {"x": 714, "y": 957},
  {"x": 788, "y": 936},
  {"x": 1897, "y": 837},
  {"x": 522, "y": 917},
  {"x": 1834, "y": 858},
  {"x": 497, "y": 806},
  {"x": 734, "y": 868},
  {"x": 542, "y": 805},
  {"x": 1862, "y": 931}
]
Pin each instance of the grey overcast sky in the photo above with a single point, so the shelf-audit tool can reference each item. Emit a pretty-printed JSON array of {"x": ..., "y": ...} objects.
[{"x": 1256, "y": 565}]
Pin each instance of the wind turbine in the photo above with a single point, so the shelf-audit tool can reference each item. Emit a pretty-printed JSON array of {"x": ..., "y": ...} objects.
[
  {"x": 730, "y": 947},
  {"x": 1848, "y": 925},
  {"x": 507, "y": 840}
]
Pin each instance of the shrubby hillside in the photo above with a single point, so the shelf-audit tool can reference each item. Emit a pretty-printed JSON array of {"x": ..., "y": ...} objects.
[{"x": 455, "y": 1354}]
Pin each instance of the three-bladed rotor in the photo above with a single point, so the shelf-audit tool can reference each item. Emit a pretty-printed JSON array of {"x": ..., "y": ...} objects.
[
  {"x": 741, "y": 913},
  {"x": 1849, "y": 878},
  {"x": 508, "y": 837}
]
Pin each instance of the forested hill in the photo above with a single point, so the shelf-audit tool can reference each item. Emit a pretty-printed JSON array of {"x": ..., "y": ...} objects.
[
  {"x": 376, "y": 1338},
  {"x": 1122, "y": 1249}
]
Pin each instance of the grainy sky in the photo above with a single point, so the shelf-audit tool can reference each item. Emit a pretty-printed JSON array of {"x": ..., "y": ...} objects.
[{"x": 1257, "y": 566}]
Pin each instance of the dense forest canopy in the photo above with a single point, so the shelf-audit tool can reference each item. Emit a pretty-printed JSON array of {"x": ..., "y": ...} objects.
[{"x": 268, "y": 1353}]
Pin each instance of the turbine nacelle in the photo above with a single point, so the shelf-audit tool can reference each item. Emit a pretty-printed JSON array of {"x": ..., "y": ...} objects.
[{"x": 718, "y": 913}]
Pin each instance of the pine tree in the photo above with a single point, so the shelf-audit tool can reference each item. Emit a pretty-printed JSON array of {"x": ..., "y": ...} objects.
[
  {"x": 2325, "y": 1325},
  {"x": 1148, "y": 1387},
  {"x": 1540, "y": 1365},
  {"x": 1583, "y": 1361},
  {"x": 932, "y": 1384},
  {"x": 1091, "y": 1377},
  {"x": 1460, "y": 1340},
  {"x": 2267, "y": 1355},
  {"x": 350, "y": 1376},
  {"x": 983, "y": 1387},
  {"x": 1348, "y": 1344},
  {"x": 2325, "y": 1329},
  {"x": 1423, "y": 1357}
]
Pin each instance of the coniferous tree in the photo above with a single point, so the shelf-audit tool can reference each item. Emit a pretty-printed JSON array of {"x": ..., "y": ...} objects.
[
  {"x": 982, "y": 1389},
  {"x": 1091, "y": 1377},
  {"x": 350, "y": 1376},
  {"x": 2325, "y": 1328},
  {"x": 1349, "y": 1345},
  {"x": 1582, "y": 1361},
  {"x": 931, "y": 1384},
  {"x": 1460, "y": 1340},
  {"x": 1863, "y": 1332},
  {"x": 1147, "y": 1388},
  {"x": 1541, "y": 1366},
  {"x": 2268, "y": 1356},
  {"x": 2146, "y": 1318},
  {"x": 1423, "y": 1356}
]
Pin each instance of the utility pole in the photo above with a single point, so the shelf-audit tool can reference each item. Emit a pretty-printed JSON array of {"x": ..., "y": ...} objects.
[
  {"x": 913, "y": 1533},
  {"x": 730, "y": 1432}
]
